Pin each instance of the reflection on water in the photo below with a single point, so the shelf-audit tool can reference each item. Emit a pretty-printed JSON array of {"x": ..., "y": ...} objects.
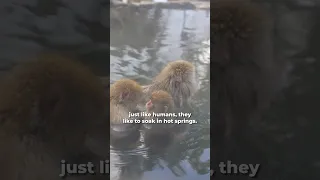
[{"x": 141, "y": 45}]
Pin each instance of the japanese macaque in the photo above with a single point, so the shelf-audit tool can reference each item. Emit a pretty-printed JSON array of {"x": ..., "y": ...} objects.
[
  {"x": 165, "y": 133},
  {"x": 47, "y": 106},
  {"x": 244, "y": 73},
  {"x": 160, "y": 102},
  {"x": 179, "y": 79},
  {"x": 125, "y": 95}
]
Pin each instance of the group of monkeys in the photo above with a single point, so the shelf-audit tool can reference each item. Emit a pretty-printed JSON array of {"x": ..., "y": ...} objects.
[
  {"x": 170, "y": 90},
  {"x": 50, "y": 106}
]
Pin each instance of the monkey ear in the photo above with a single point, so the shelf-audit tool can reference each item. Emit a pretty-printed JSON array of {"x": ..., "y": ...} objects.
[
  {"x": 123, "y": 96},
  {"x": 166, "y": 108}
]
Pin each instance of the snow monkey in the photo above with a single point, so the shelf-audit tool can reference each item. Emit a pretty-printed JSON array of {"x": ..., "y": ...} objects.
[
  {"x": 125, "y": 95},
  {"x": 47, "y": 107},
  {"x": 162, "y": 134},
  {"x": 179, "y": 79}
]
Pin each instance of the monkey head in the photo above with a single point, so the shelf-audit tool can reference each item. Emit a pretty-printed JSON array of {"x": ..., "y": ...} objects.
[
  {"x": 53, "y": 99},
  {"x": 178, "y": 78},
  {"x": 160, "y": 102},
  {"x": 127, "y": 93}
]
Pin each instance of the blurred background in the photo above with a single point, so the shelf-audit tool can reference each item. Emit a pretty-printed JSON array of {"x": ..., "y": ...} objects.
[
  {"x": 144, "y": 39},
  {"x": 290, "y": 129}
]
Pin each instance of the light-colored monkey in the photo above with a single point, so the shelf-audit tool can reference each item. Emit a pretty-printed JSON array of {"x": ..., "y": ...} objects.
[{"x": 179, "y": 79}]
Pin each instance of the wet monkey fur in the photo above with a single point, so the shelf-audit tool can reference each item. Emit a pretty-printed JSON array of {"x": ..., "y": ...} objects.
[
  {"x": 245, "y": 74},
  {"x": 162, "y": 135},
  {"x": 125, "y": 95},
  {"x": 179, "y": 79},
  {"x": 47, "y": 106},
  {"x": 160, "y": 101}
]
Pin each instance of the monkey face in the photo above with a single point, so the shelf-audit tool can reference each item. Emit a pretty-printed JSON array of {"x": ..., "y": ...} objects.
[
  {"x": 160, "y": 102},
  {"x": 157, "y": 107},
  {"x": 182, "y": 87}
]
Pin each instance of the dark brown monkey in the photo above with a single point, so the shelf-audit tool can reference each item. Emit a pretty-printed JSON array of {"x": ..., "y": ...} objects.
[
  {"x": 244, "y": 73},
  {"x": 162, "y": 135},
  {"x": 125, "y": 95},
  {"x": 178, "y": 78},
  {"x": 47, "y": 106}
]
